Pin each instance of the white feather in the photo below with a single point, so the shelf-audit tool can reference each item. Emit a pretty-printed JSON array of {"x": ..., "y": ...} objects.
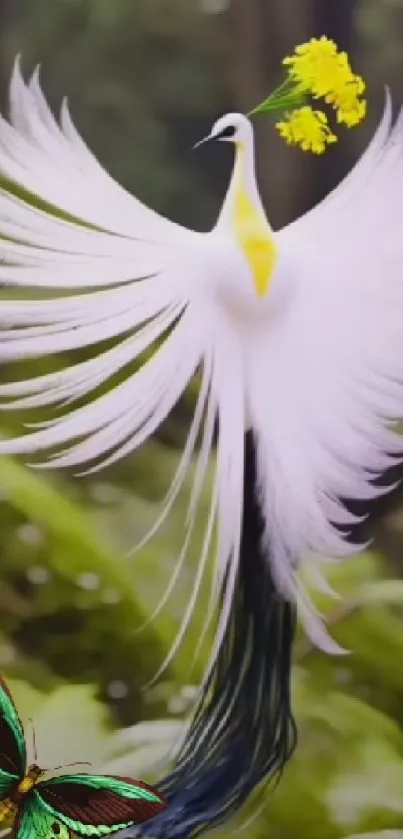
[{"x": 55, "y": 164}]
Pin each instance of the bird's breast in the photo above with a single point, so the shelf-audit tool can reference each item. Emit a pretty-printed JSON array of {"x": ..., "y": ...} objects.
[{"x": 254, "y": 237}]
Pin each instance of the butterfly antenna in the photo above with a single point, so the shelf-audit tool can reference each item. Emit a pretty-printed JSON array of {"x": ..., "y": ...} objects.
[
  {"x": 34, "y": 740},
  {"x": 67, "y": 765}
]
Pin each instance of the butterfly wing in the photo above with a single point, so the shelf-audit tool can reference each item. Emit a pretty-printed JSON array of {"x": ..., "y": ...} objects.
[
  {"x": 12, "y": 742},
  {"x": 35, "y": 822},
  {"x": 96, "y": 805}
]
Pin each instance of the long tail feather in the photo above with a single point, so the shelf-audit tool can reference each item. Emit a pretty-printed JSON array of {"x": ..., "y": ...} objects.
[{"x": 242, "y": 732}]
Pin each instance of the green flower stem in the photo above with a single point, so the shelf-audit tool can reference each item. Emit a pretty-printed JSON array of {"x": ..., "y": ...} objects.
[
  {"x": 290, "y": 92},
  {"x": 278, "y": 104}
]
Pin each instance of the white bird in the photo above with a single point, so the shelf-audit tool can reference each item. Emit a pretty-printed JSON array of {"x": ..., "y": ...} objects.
[{"x": 298, "y": 337}]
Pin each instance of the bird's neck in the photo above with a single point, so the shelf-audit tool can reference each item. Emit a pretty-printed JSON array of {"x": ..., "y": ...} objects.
[{"x": 244, "y": 217}]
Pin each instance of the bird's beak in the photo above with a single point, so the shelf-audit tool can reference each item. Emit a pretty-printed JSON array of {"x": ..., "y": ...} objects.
[{"x": 200, "y": 142}]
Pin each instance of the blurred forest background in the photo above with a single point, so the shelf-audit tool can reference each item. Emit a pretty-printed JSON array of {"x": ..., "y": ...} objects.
[{"x": 145, "y": 79}]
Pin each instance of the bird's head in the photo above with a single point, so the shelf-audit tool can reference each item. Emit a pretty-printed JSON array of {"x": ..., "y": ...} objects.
[{"x": 231, "y": 128}]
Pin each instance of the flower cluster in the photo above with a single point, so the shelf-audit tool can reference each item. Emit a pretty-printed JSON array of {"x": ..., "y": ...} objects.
[
  {"x": 308, "y": 129},
  {"x": 320, "y": 70}
]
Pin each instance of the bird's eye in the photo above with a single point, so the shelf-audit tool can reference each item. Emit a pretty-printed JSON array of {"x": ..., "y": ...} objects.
[{"x": 229, "y": 131}]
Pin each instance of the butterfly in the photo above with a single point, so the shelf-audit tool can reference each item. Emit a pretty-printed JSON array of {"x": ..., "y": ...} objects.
[{"x": 88, "y": 805}]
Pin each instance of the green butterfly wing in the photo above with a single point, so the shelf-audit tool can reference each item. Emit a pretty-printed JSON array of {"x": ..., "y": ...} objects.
[
  {"x": 36, "y": 823},
  {"x": 12, "y": 742},
  {"x": 97, "y": 805}
]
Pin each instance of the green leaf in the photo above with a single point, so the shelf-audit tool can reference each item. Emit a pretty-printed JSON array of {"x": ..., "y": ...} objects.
[
  {"x": 71, "y": 620},
  {"x": 70, "y": 724},
  {"x": 381, "y": 834},
  {"x": 42, "y": 502},
  {"x": 380, "y": 592}
]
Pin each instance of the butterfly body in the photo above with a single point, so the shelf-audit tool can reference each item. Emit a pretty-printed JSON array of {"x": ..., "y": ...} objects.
[
  {"x": 9, "y": 806},
  {"x": 8, "y": 810},
  {"x": 27, "y": 783},
  {"x": 90, "y": 805}
]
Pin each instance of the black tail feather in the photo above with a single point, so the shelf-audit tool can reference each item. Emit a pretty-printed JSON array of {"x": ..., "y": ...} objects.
[{"x": 246, "y": 701}]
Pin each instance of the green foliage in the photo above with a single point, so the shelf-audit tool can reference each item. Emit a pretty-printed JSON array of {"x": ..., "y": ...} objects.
[
  {"x": 71, "y": 724},
  {"x": 67, "y": 597}
]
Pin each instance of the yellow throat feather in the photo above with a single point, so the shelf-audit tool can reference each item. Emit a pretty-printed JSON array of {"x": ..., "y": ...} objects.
[{"x": 251, "y": 229}]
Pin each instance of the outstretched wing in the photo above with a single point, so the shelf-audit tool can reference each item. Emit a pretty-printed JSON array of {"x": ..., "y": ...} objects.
[
  {"x": 65, "y": 225},
  {"x": 35, "y": 822},
  {"x": 96, "y": 805},
  {"x": 53, "y": 163},
  {"x": 140, "y": 280},
  {"x": 349, "y": 188},
  {"x": 326, "y": 383},
  {"x": 12, "y": 742}
]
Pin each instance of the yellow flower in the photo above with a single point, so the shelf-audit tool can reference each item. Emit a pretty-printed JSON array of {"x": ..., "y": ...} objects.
[
  {"x": 317, "y": 67},
  {"x": 352, "y": 114},
  {"x": 308, "y": 129},
  {"x": 314, "y": 65},
  {"x": 351, "y": 110}
]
